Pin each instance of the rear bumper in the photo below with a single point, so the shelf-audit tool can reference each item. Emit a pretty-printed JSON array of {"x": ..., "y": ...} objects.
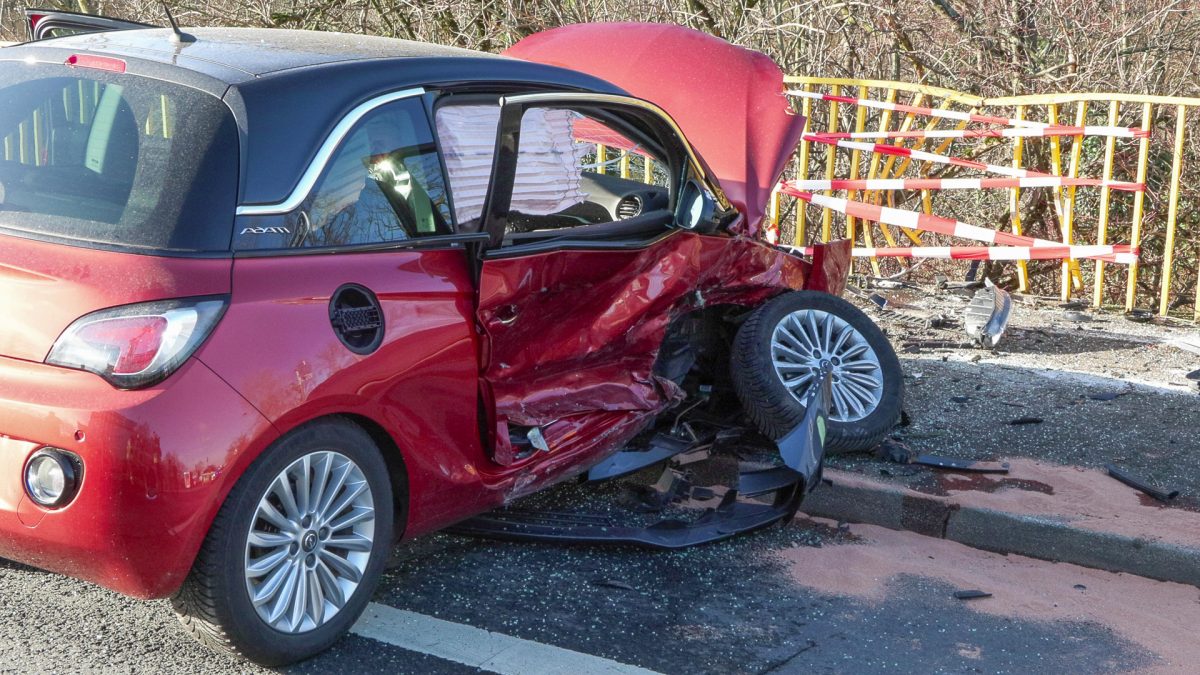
[{"x": 157, "y": 465}]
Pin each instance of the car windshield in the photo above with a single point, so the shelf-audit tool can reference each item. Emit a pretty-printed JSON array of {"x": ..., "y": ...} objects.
[{"x": 96, "y": 157}]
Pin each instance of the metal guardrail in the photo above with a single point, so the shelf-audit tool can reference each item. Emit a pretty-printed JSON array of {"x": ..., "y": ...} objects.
[{"x": 1157, "y": 114}]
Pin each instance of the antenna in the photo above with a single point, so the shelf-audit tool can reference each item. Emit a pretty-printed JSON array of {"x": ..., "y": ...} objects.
[{"x": 176, "y": 34}]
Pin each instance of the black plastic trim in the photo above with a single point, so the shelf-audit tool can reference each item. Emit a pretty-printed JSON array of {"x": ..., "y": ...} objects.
[
  {"x": 372, "y": 303},
  {"x": 568, "y": 244},
  {"x": 449, "y": 241}
]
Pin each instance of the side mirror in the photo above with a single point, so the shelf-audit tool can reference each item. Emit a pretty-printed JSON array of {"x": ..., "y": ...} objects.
[{"x": 696, "y": 209}]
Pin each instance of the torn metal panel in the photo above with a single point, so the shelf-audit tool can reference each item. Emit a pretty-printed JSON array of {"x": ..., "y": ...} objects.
[
  {"x": 803, "y": 453},
  {"x": 986, "y": 317}
]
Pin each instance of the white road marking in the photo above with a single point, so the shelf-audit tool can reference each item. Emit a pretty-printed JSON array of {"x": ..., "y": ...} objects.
[{"x": 479, "y": 648}]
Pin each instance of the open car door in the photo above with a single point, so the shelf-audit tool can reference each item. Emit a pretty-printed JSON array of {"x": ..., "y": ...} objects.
[
  {"x": 591, "y": 255},
  {"x": 51, "y": 23}
]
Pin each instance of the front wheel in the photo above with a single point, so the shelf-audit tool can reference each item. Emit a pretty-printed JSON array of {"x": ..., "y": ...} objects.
[
  {"x": 296, "y": 551},
  {"x": 778, "y": 353}
]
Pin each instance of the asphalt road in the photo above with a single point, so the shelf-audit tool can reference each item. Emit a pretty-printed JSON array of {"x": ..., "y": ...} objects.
[{"x": 736, "y": 607}]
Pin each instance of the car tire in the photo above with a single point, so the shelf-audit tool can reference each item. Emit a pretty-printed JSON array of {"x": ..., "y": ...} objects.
[
  {"x": 215, "y": 603},
  {"x": 866, "y": 403}
]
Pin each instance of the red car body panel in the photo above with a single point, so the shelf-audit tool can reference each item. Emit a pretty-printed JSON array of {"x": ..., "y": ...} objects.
[
  {"x": 728, "y": 100},
  {"x": 155, "y": 471},
  {"x": 44, "y": 287},
  {"x": 563, "y": 340},
  {"x": 275, "y": 345}
]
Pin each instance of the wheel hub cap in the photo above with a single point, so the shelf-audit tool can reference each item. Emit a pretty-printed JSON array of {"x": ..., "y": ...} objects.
[
  {"x": 808, "y": 339},
  {"x": 309, "y": 542}
]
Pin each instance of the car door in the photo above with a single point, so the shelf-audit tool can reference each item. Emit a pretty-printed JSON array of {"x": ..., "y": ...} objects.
[
  {"x": 593, "y": 214},
  {"x": 50, "y": 23}
]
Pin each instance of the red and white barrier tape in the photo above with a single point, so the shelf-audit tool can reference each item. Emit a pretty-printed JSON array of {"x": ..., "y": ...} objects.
[
  {"x": 949, "y": 227},
  {"x": 1120, "y": 132},
  {"x": 916, "y": 110},
  {"x": 1013, "y": 132},
  {"x": 1112, "y": 253},
  {"x": 959, "y": 183},
  {"x": 921, "y": 155}
]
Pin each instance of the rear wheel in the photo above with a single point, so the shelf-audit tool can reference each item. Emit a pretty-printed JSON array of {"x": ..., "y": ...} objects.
[
  {"x": 297, "y": 549},
  {"x": 779, "y": 351}
]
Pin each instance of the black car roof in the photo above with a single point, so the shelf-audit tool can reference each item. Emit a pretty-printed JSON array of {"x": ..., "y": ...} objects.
[
  {"x": 289, "y": 88},
  {"x": 235, "y": 55}
]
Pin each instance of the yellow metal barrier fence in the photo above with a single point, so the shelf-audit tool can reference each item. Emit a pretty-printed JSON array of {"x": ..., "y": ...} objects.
[{"x": 1149, "y": 219}]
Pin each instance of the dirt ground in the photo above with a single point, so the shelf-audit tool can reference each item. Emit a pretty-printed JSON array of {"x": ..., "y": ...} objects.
[{"x": 1056, "y": 389}]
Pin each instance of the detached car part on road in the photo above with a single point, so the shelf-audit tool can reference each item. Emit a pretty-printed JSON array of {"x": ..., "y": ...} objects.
[{"x": 275, "y": 299}]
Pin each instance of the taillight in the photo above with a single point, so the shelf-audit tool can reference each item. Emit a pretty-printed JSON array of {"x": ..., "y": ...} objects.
[{"x": 138, "y": 345}]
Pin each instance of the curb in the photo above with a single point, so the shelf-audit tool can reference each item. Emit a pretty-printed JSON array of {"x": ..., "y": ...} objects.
[{"x": 856, "y": 500}]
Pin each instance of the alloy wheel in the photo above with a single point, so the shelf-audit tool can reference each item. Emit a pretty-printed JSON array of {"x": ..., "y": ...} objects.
[
  {"x": 805, "y": 339},
  {"x": 310, "y": 542}
]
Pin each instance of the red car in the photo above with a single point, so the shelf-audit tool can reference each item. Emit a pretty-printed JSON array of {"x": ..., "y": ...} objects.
[{"x": 273, "y": 300}]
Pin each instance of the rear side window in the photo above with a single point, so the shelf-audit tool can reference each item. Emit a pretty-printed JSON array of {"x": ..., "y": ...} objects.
[
  {"x": 104, "y": 158},
  {"x": 383, "y": 184}
]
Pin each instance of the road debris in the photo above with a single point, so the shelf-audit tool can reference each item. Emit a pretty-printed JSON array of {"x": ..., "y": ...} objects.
[
  {"x": 894, "y": 451},
  {"x": 959, "y": 464},
  {"x": 1140, "y": 484},
  {"x": 613, "y": 583},
  {"x": 986, "y": 317},
  {"x": 971, "y": 594},
  {"x": 1020, "y": 421}
]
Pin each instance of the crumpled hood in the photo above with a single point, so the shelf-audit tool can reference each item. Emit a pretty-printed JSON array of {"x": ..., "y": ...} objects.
[{"x": 728, "y": 100}]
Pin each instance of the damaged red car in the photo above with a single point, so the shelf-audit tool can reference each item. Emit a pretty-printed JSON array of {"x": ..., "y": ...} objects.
[{"x": 274, "y": 300}]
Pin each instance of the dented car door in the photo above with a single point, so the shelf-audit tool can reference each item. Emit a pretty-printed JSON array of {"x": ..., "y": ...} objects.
[{"x": 576, "y": 290}]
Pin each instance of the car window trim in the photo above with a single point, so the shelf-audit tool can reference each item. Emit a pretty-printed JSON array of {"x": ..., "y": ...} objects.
[
  {"x": 568, "y": 244},
  {"x": 512, "y": 110},
  {"x": 308, "y": 180},
  {"x": 566, "y": 99},
  {"x": 443, "y": 241}
]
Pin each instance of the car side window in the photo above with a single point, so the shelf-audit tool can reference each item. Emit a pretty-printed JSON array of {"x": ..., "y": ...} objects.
[
  {"x": 572, "y": 170},
  {"x": 383, "y": 184}
]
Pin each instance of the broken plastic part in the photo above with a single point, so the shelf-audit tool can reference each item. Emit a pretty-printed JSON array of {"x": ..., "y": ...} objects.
[
  {"x": 803, "y": 448},
  {"x": 537, "y": 440},
  {"x": 957, "y": 464},
  {"x": 662, "y": 447},
  {"x": 971, "y": 594},
  {"x": 731, "y": 518},
  {"x": 753, "y": 483},
  {"x": 894, "y": 451},
  {"x": 986, "y": 317},
  {"x": 1140, "y": 484}
]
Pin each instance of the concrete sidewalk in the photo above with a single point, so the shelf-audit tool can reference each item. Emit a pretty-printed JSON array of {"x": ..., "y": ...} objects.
[
  {"x": 1063, "y": 514},
  {"x": 1058, "y": 401}
]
